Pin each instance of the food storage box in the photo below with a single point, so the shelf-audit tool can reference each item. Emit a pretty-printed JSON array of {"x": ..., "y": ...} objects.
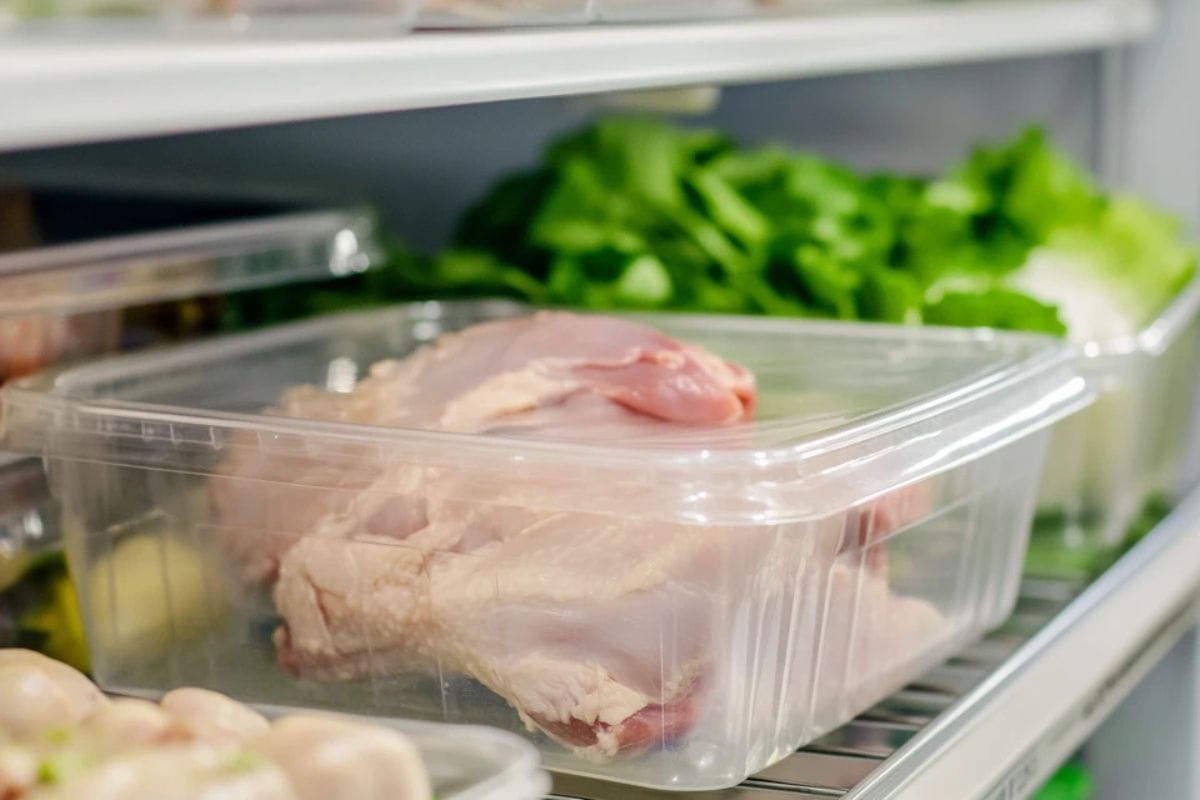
[
  {"x": 308, "y": 17},
  {"x": 79, "y": 296},
  {"x": 437, "y": 14},
  {"x": 696, "y": 606},
  {"x": 668, "y": 10},
  {"x": 38, "y": 608},
  {"x": 1118, "y": 465},
  {"x": 65, "y": 301}
]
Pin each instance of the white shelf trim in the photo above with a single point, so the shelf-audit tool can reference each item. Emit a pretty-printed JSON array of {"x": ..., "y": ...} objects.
[
  {"x": 58, "y": 92},
  {"x": 1009, "y": 733}
]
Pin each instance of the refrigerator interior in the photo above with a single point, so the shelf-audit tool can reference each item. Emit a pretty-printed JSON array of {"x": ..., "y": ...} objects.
[{"x": 1128, "y": 112}]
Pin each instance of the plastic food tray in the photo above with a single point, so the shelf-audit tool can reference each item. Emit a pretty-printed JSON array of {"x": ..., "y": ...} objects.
[
  {"x": 65, "y": 301},
  {"x": 437, "y": 14},
  {"x": 752, "y": 587},
  {"x": 1127, "y": 456},
  {"x": 37, "y": 601},
  {"x": 69, "y": 300},
  {"x": 673, "y": 10},
  {"x": 133, "y": 17}
]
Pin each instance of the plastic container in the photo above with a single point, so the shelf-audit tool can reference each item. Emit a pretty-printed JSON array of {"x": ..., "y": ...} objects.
[
  {"x": 79, "y": 297},
  {"x": 713, "y": 600},
  {"x": 673, "y": 10},
  {"x": 38, "y": 609},
  {"x": 89, "y": 18},
  {"x": 438, "y": 14},
  {"x": 62, "y": 302},
  {"x": 1117, "y": 466}
]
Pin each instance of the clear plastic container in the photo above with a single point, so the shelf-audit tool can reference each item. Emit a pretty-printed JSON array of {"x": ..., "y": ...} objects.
[
  {"x": 38, "y": 609},
  {"x": 702, "y": 604},
  {"x": 89, "y": 18},
  {"x": 72, "y": 299},
  {"x": 440, "y": 14},
  {"x": 62, "y": 302},
  {"x": 1118, "y": 465},
  {"x": 669, "y": 10}
]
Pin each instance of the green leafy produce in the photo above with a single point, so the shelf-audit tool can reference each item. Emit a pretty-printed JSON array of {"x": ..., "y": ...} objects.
[
  {"x": 635, "y": 213},
  {"x": 1071, "y": 782}
]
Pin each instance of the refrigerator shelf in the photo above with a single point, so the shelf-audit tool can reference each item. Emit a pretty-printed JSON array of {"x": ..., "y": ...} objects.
[
  {"x": 994, "y": 722},
  {"x": 88, "y": 88}
]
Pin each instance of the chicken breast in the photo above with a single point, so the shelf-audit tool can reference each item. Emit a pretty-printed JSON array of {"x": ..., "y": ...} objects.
[
  {"x": 331, "y": 759},
  {"x": 201, "y": 715},
  {"x": 126, "y": 722},
  {"x": 173, "y": 772},
  {"x": 38, "y": 693},
  {"x": 195, "y": 745}
]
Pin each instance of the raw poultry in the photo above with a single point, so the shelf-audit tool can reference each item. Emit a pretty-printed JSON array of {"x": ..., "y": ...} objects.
[
  {"x": 598, "y": 629},
  {"x": 61, "y": 739}
]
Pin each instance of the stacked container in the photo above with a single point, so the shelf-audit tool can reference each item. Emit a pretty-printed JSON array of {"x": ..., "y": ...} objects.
[
  {"x": 138, "y": 17},
  {"x": 758, "y": 586},
  {"x": 68, "y": 301},
  {"x": 1116, "y": 467}
]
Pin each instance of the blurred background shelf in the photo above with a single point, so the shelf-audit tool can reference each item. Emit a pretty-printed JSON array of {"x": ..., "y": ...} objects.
[
  {"x": 996, "y": 721},
  {"x": 55, "y": 91}
]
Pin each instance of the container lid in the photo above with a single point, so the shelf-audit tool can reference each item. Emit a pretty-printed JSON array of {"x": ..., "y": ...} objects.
[
  {"x": 1156, "y": 336},
  {"x": 186, "y": 262},
  {"x": 846, "y": 412}
]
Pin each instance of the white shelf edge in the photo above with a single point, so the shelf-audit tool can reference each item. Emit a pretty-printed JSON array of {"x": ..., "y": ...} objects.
[
  {"x": 58, "y": 92},
  {"x": 1005, "y": 737}
]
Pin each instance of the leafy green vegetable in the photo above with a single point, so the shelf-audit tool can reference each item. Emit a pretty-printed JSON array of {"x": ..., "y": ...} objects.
[
  {"x": 1071, "y": 782},
  {"x": 995, "y": 308},
  {"x": 635, "y": 213}
]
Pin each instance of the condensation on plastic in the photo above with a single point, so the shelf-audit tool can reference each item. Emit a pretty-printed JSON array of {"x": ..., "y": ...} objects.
[
  {"x": 1132, "y": 445},
  {"x": 873, "y": 521}
]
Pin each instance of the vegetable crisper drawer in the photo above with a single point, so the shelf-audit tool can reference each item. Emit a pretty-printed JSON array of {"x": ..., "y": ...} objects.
[{"x": 693, "y": 607}]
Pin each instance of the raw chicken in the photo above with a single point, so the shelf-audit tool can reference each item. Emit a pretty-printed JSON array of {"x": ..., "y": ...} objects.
[
  {"x": 172, "y": 772},
  {"x": 212, "y": 718},
  {"x": 326, "y": 758},
  {"x": 127, "y": 722},
  {"x": 597, "y": 629},
  {"x": 554, "y": 375},
  {"x": 18, "y": 771},
  {"x": 195, "y": 745},
  {"x": 30, "y": 343},
  {"x": 38, "y": 694}
]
